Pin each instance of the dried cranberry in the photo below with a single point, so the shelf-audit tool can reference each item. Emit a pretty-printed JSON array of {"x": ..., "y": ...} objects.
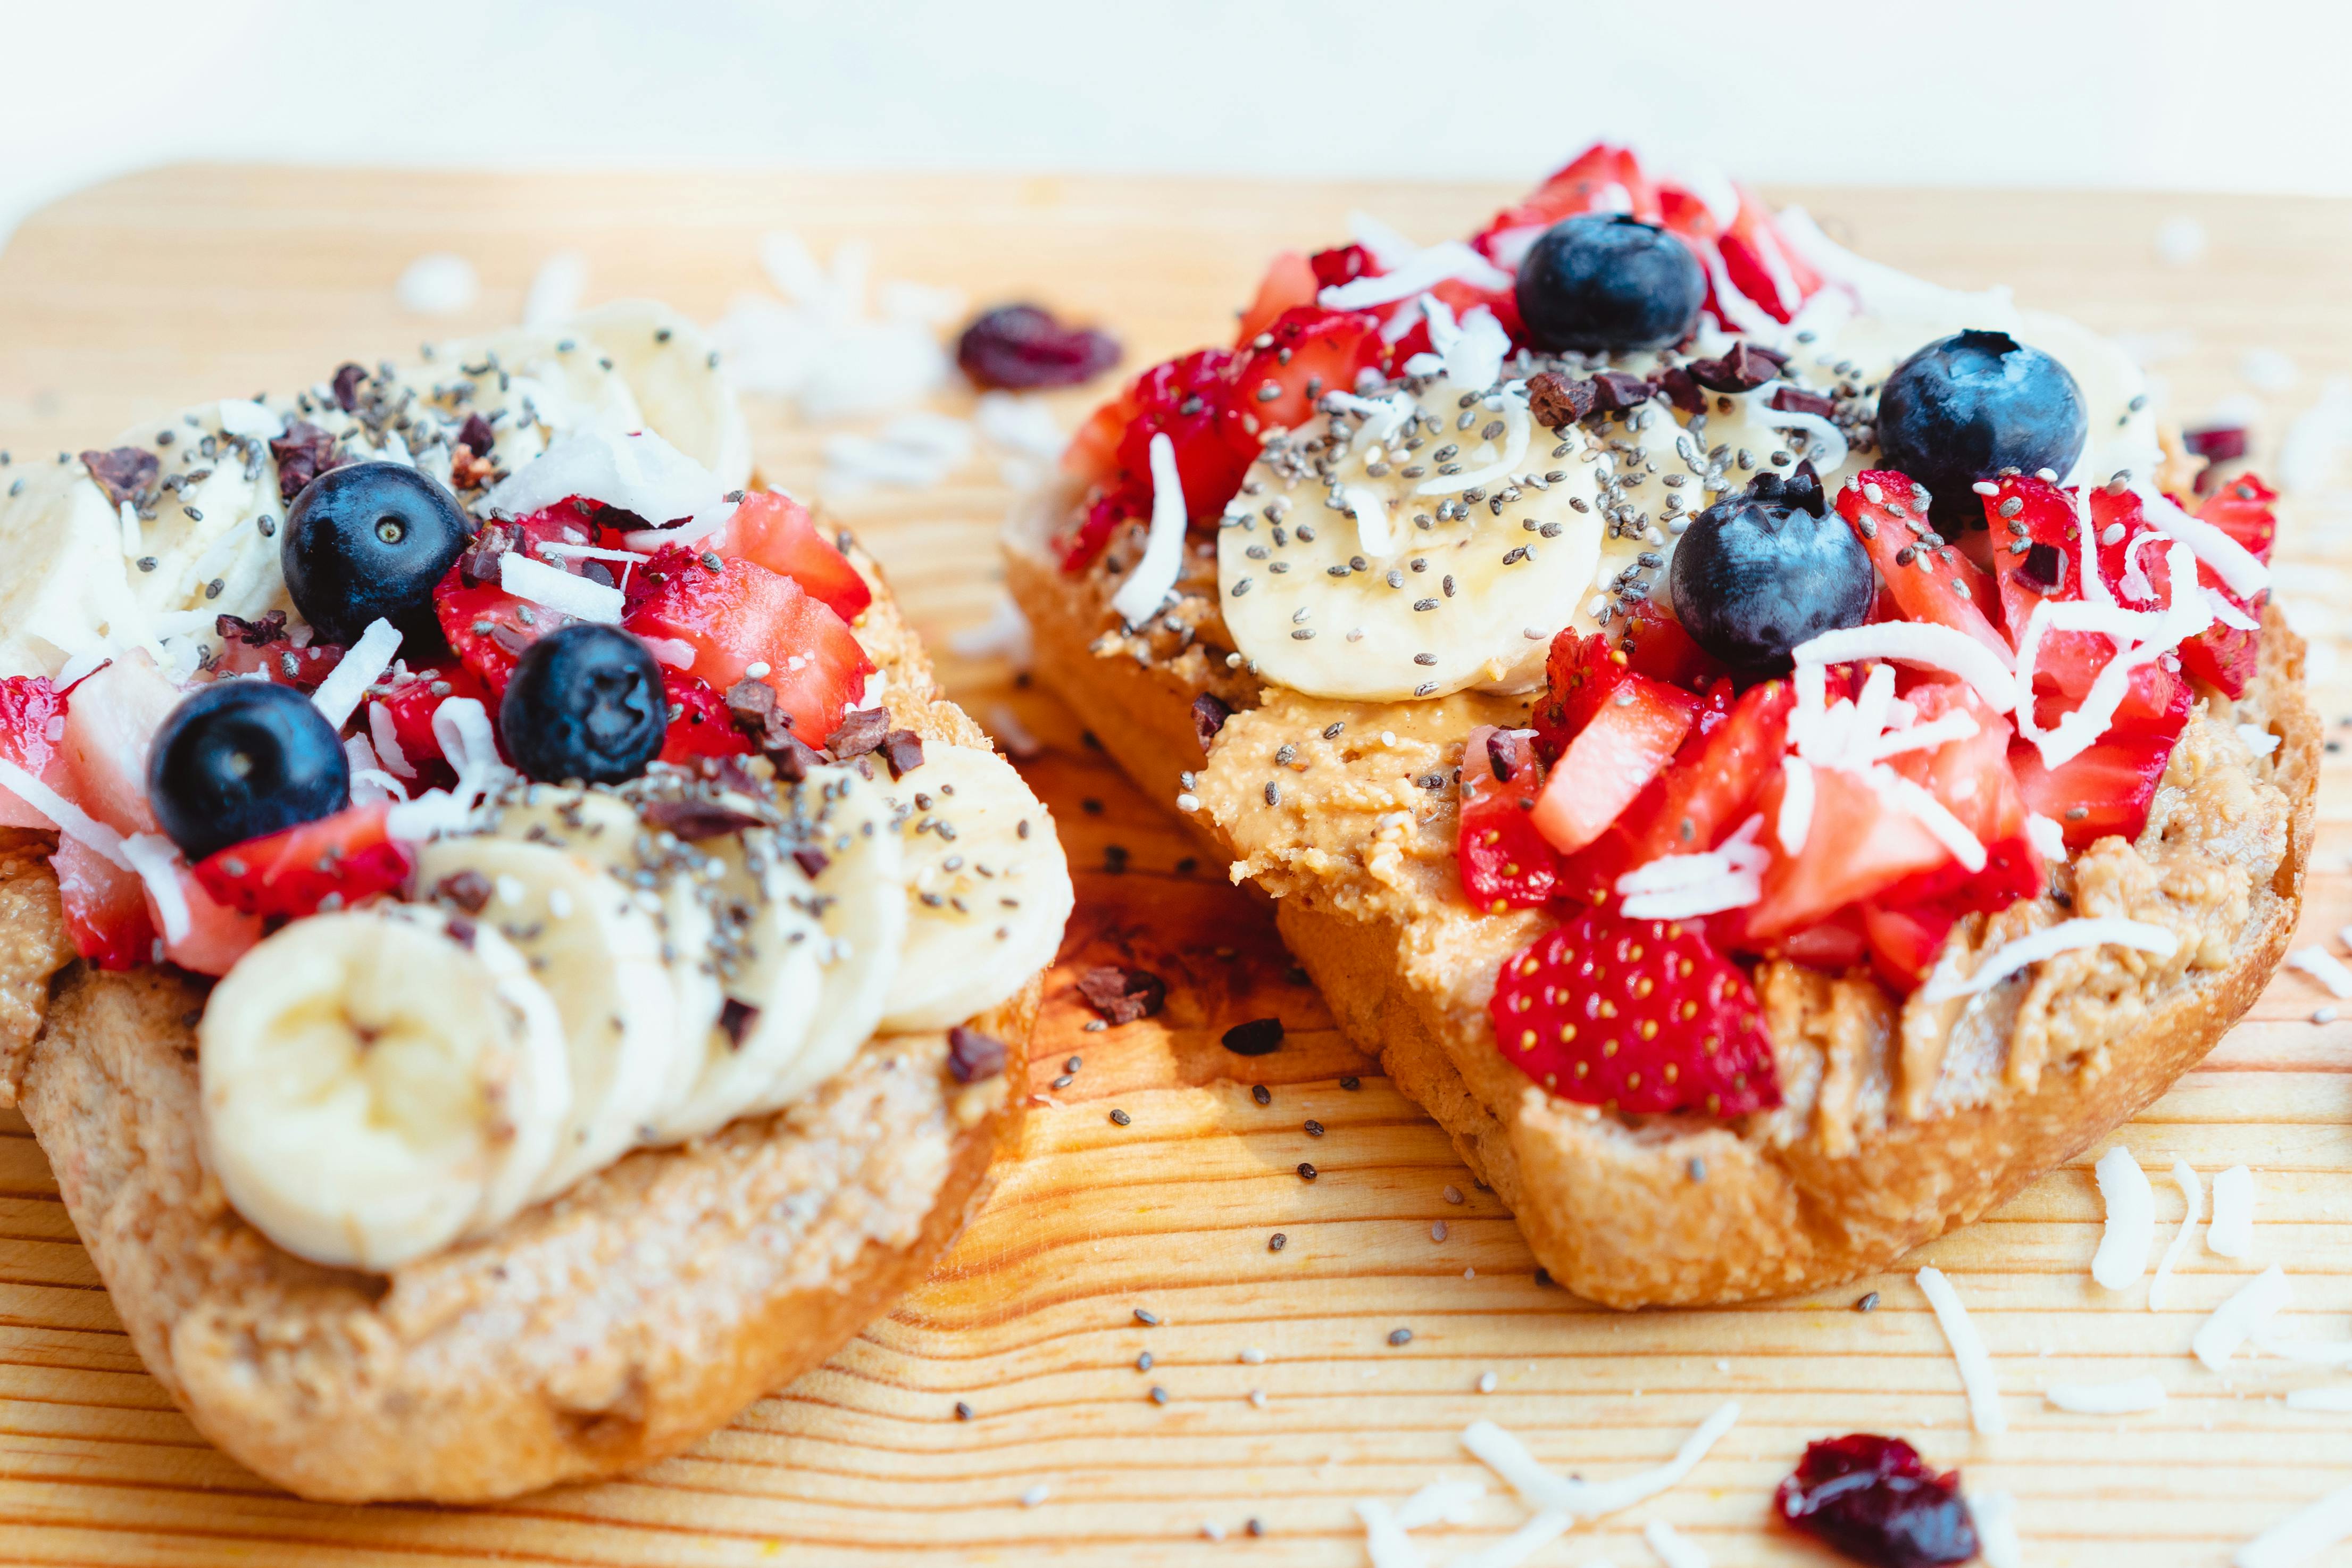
[
  {"x": 1343, "y": 264},
  {"x": 2216, "y": 443},
  {"x": 1873, "y": 1500},
  {"x": 1024, "y": 346}
]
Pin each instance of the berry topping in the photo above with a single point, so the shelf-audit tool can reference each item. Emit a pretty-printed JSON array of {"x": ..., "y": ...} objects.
[
  {"x": 240, "y": 759},
  {"x": 1304, "y": 354},
  {"x": 1024, "y": 346},
  {"x": 366, "y": 542},
  {"x": 1609, "y": 281},
  {"x": 1644, "y": 1016},
  {"x": 1929, "y": 579},
  {"x": 32, "y": 720},
  {"x": 1967, "y": 406},
  {"x": 1876, "y": 1501},
  {"x": 740, "y": 620},
  {"x": 329, "y": 864},
  {"x": 1761, "y": 572},
  {"x": 585, "y": 703},
  {"x": 1631, "y": 735},
  {"x": 774, "y": 531},
  {"x": 1505, "y": 862}
]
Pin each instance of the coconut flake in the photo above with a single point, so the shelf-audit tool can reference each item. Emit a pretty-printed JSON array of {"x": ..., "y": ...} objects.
[
  {"x": 1371, "y": 514},
  {"x": 1542, "y": 1489},
  {"x": 1683, "y": 887},
  {"x": 69, "y": 818},
  {"x": 362, "y": 664},
  {"x": 1796, "y": 805},
  {"x": 437, "y": 284},
  {"x": 676, "y": 652},
  {"x": 2231, "y": 1233},
  {"x": 1995, "y": 1516},
  {"x": 2124, "y": 1398},
  {"x": 1440, "y": 1502},
  {"x": 2335, "y": 1399},
  {"x": 1154, "y": 577},
  {"x": 2066, "y": 936},
  {"x": 2259, "y": 740},
  {"x": 1519, "y": 1545},
  {"x": 579, "y": 597},
  {"x": 1672, "y": 1549},
  {"x": 2193, "y": 1199},
  {"x": 245, "y": 417},
  {"x": 2238, "y": 568},
  {"x": 2239, "y": 1318},
  {"x": 157, "y": 861},
  {"x": 2324, "y": 967},
  {"x": 637, "y": 471},
  {"x": 2047, "y": 836},
  {"x": 556, "y": 290},
  {"x": 2300, "y": 1537},
  {"x": 1967, "y": 1350},
  {"x": 1910, "y": 796},
  {"x": 1919, "y": 643},
  {"x": 2130, "y": 1228},
  {"x": 1416, "y": 273}
]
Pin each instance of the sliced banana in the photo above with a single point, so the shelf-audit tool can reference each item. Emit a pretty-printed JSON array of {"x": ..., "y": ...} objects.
[
  {"x": 597, "y": 952},
  {"x": 862, "y": 898},
  {"x": 989, "y": 891},
  {"x": 1411, "y": 547},
  {"x": 379, "y": 1083}
]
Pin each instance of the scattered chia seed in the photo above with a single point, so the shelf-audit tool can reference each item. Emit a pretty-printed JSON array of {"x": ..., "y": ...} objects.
[
  {"x": 1143, "y": 1362},
  {"x": 1306, "y": 1172},
  {"x": 963, "y": 1411},
  {"x": 1314, "y": 1128},
  {"x": 1148, "y": 1319},
  {"x": 1262, "y": 1094},
  {"x": 1868, "y": 1303},
  {"x": 1400, "y": 1336},
  {"x": 1121, "y": 1118},
  {"x": 1276, "y": 1242}
]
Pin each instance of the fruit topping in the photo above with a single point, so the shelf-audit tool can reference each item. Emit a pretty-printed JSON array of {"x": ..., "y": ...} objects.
[
  {"x": 239, "y": 759},
  {"x": 700, "y": 724},
  {"x": 1629, "y": 737},
  {"x": 1873, "y": 1500},
  {"x": 1024, "y": 346},
  {"x": 2106, "y": 790},
  {"x": 324, "y": 865},
  {"x": 408, "y": 709},
  {"x": 1760, "y": 572},
  {"x": 32, "y": 721},
  {"x": 739, "y": 620},
  {"x": 1644, "y": 1016},
  {"x": 1967, "y": 406},
  {"x": 1290, "y": 280},
  {"x": 105, "y": 907},
  {"x": 367, "y": 542},
  {"x": 1505, "y": 862},
  {"x": 1189, "y": 401},
  {"x": 774, "y": 531},
  {"x": 1928, "y": 578},
  {"x": 585, "y": 703},
  {"x": 1304, "y": 354},
  {"x": 1609, "y": 281}
]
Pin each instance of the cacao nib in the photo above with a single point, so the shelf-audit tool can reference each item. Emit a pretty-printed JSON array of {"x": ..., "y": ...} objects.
[
  {"x": 1682, "y": 390},
  {"x": 1122, "y": 996},
  {"x": 1209, "y": 716},
  {"x": 2043, "y": 569},
  {"x": 1875, "y": 1500},
  {"x": 1258, "y": 1038},
  {"x": 479, "y": 564},
  {"x": 124, "y": 474},
  {"x": 1616, "y": 389},
  {"x": 812, "y": 862},
  {"x": 695, "y": 820},
  {"x": 903, "y": 750},
  {"x": 303, "y": 453},
  {"x": 862, "y": 731},
  {"x": 1557, "y": 402},
  {"x": 972, "y": 1055},
  {"x": 1744, "y": 369},
  {"x": 752, "y": 705},
  {"x": 1796, "y": 402},
  {"x": 347, "y": 386},
  {"x": 469, "y": 890},
  {"x": 735, "y": 1017},
  {"x": 794, "y": 758},
  {"x": 1024, "y": 346},
  {"x": 475, "y": 435},
  {"x": 261, "y": 632}
]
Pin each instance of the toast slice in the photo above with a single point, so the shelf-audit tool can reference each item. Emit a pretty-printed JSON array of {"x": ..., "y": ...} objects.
[
  {"x": 1859, "y": 1165},
  {"x": 610, "y": 1326}
]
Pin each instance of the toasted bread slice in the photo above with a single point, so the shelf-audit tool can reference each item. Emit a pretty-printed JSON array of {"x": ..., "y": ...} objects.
[
  {"x": 1858, "y": 1169},
  {"x": 609, "y": 1327}
]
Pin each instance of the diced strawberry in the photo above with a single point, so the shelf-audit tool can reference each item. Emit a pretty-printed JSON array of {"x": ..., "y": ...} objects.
[
  {"x": 2241, "y": 509},
  {"x": 2223, "y": 656},
  {"x": 1643, "y": 1016},
  {"x": 1601, "y": 178},
  {"x": 1855, "y": 846},
  {"x": 1505, "y": 862},
  {"x": 1971, "y": 779},
  {"x": 1579, "y": 672},
  {"x": 699, "y": 725},
  {"x": 1291, "y": 281},
  {"x": 1314, "y": 351},
  {"x": 742, "y": 614},
  {"x": 1102, "y": 515},
  {"x": 1937, "y": 583},
  {"x": 1760, "y": 266},
  {"x": 301, "y": 667},
  {"x": 328, "y": 864},
  {"x": 1834, "y": 945},
  {"x": 218, "y": 934},
  {"x": 1342, "y": 264},
  {"x": 1189, "y": 400},
  {"x": 1093, "y": 452},
  {"x": 775, "y": 530},
  {"x": 2106, "y": 790},
  {"x": 1614, "y": 757},
  {"x": 1656, "y": 645},
  {"x": 105, "y": 907},
  {"x": 1905, "y": 941},
  {"x": 111, "y": 722},
  {"x": 489, "y": 627},
  {"x": 32, "y": 720},
  {"x": 411, "y": 708}
]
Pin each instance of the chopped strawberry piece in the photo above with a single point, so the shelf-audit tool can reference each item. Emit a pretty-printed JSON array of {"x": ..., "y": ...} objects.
[
  {"x": 1833, "y": 945},
  {"x": 742, "y": 615},
  {"x": 1093, "y": 452},
  {"x": 1856, "y": 845},
  {"x": 1505, "y": 862},
  {"x": 328, "y": 864},
  {"x": 32, "y": 720},
  {"x": 775, "y": 530},
  {"x": 1601, "y": 178},
  {"x": 218, "y": 934},
  {"x": 1579, "y": 672},
  {"x": 110, "y": 720},
  {"x": 2241, "y": 509},
  {"x": 1103, "y": 514},
  {"x": 1656, "y": 645},
  {"x": 1972, "y": 781},
  {"x": 2223, "y": 656},
  {"x": 301, "y": 667},
  {"x": 2106, "y": 790},
  {"x": 1905, "y": 941},
  {"x": 489, "y": 627},
  {"x": 1612, "y": 758},
  {"x": 1760, "y": 266},
  {"x": 699, "y": 725},
  {"x": 1937, "y": 583},
  {"x": 1189, "y": 400},
  {"x": 1291, "y": 281},
  {"x": 1314, "y": 351},
  {"x": 411, "y": 707},
  {"x": 105, "y": 907},
  {"x": 1643, "y": 1016}
]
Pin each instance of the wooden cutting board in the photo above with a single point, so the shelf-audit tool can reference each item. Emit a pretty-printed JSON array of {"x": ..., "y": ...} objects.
[{"x": 165, "y": 287}]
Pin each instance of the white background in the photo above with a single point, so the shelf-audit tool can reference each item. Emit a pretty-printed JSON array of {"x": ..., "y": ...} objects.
[{"x": 2183, "y": 94}]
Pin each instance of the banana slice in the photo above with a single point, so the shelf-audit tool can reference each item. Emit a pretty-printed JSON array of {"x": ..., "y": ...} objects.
[
  {"x": 379, "y": 1083},
  {"x": 597, "y": 952},
  {"x": 989, "y": 889},
  {"x": 861, "y": 895},
  {"x": 1411, "y": 547}
]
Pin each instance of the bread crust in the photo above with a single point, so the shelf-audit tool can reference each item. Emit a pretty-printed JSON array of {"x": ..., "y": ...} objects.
[
  {"x": 1673, "y": 1213},
  {"x": 610, "y": 1327}
]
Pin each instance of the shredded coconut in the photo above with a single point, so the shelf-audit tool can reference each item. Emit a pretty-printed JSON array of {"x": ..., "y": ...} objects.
[
  {"x": 1543, "y": 1490},
  {"x": 1374, "y": 533},
  {"x": 1985, "y": 1412},
  {"x": 913, "y": 451},
  {"x": 2066, "y": 936},
  {"x": 635, "y": 470},
  {"x": 2130, "y": 1229},
  {"x": 2301, "y": 1537},
  {"x": 2239, "y": 1318},
  {"x": 2237, "y": 567},
  {"x": 1995, "y": 1516},
  {"x": 2192, "y": 1199},
  {"x": 2046, "y": 835},
  {"x": 2336, "y": 1399},
  {"x": 2231, "y": 1233},
  {"x": 1683, "y": 887},
  {"x": 2324, "y": 967},
  {"x": 244, "y": 416},
  {"x": 1920, "y": 643},
  {"x": 556, "y": 290},
  {"x": 2125, "y": 1398},
  {"x": 362, "y": 664},
  {"x": 437, "y": 284},
  {"x": 1796, "y": 805},
  {"x": 71, "y": 819},
  {"x": 823, "y": 346},
  {"x": 1672, "y": 1549},
  {"x": 579, "y": 597},
  {"x": 1148, "y": 586},
  {"x": 157, "y": 861},
  {"x": 1472, "y": 354},
  {"x": 1415, "y": 273}
]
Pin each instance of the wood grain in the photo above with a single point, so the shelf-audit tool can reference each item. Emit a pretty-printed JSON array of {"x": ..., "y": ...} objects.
[{"x": 165, "y": 287}]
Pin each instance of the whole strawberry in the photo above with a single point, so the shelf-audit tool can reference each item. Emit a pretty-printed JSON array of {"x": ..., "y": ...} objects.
[{"x": 1640, "y": 1016}]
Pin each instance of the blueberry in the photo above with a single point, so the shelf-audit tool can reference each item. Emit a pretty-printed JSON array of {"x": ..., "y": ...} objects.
[
  {"x": 1609, "y": 281},
  {"x": 367, "y": 542},
  {"x": 1760, "y": 572},
  {"x": 240, "y": 759},
  {"x": 585, "y": 703},
  {"x": 1967, "y": 406}
]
